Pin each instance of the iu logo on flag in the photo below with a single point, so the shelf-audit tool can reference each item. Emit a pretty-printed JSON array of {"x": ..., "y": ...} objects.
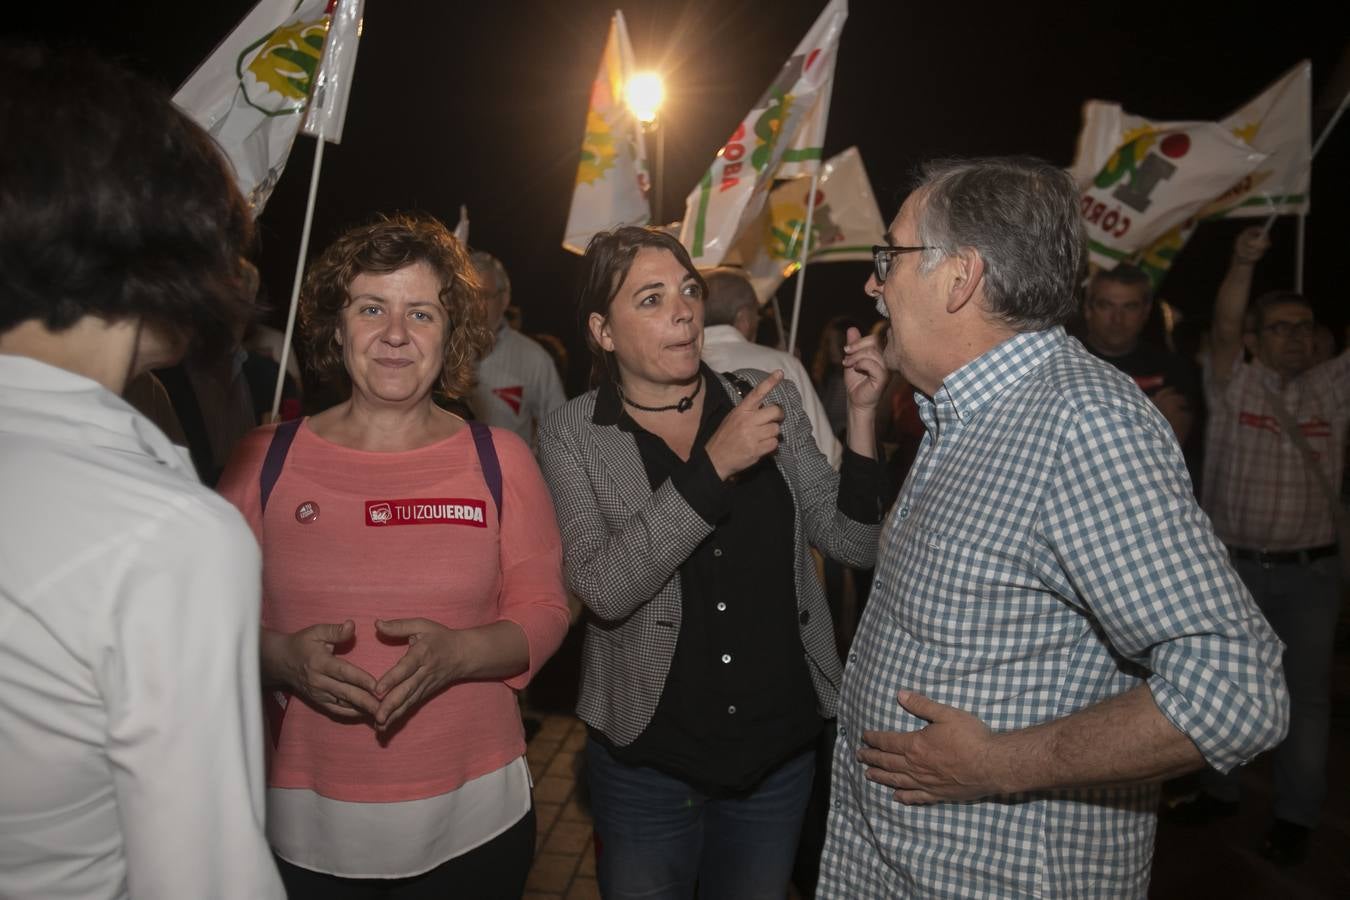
[{"x": 511, "y": 396}]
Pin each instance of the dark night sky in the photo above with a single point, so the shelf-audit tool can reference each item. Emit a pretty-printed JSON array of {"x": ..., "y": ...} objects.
[{"x": 483, "y": 104}]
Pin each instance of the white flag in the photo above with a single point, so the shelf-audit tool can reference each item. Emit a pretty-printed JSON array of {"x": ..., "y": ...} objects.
[
  {"x": 333, "y": 83},
  {"x": 1155, "y": 177},
  {"x": 736, "y": 186},
  {"x": 612, "y": 179},
  {"x": 251, "y": 92},
  {"x": 1278, "y": 122},
  {"x": 845, "y": 224}
]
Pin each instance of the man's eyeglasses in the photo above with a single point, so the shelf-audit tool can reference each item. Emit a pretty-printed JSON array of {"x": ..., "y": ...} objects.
[
  {"x": 1285, "y": 330},
  {"x": 883, "y": 254}
]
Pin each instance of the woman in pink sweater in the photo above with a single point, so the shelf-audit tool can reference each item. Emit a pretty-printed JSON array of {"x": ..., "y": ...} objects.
[{"x": 393, "y": 653}]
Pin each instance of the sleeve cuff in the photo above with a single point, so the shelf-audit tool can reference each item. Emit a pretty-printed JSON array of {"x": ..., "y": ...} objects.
[
  {"x": 697, "y": 482},
  {"x": 860, "y": 487}
]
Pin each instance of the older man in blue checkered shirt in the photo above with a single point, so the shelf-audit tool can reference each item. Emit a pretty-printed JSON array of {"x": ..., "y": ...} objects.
[{"x": 1054, "y": 627}]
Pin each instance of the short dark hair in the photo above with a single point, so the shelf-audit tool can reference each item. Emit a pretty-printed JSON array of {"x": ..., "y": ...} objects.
[
  {"x": 113, "y": 203},
  {"x": 608, "y": 258},
  {"x": 1126, "y": 274},
  {"x": 729, "y": 292},
  {"x": 1262, "y": 305},
  {"x": 1022, "y": 215},
  {"x": 387, "y": 244}
]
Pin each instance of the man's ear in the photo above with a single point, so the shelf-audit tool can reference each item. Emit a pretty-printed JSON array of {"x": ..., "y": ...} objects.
[
  {"x": 965, "y": 273},
  {"x": 599, "y": 328}
]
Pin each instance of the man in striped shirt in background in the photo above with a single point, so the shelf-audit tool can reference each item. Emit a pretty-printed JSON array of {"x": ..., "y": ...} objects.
[{"x": 1054, "y": 627}]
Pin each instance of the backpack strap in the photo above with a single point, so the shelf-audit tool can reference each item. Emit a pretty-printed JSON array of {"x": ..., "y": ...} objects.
[
  {"x": 487, "y": 460},
  {"x": 276, "y": 458}
]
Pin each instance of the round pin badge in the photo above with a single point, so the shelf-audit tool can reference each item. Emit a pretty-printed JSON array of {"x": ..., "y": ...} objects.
[{"x": 307, "y": 512}]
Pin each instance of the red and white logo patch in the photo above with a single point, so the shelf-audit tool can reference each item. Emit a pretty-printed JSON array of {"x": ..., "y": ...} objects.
[
  {"x": 511, "y": 396},
  {"x": 427, "y": 511}
]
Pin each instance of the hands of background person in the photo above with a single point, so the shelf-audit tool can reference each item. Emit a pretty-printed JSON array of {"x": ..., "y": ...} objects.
[
  {"x": 304, "y": 663},
  {"x": 951, "y": 759},
  {"x": 1250, "y": 245},
  {"x": 433, "y": 660},
  {"x": 749, "y": 432},
  {"x": 865, "y": 373}
]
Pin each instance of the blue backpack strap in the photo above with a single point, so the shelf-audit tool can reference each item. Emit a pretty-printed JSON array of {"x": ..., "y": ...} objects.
[
  {"x": 487, "y": 460},
  {"x": 276, "y": 458}
]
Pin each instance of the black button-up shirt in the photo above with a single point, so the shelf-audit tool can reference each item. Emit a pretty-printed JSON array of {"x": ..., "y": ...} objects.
[{"x": 738, "y": 700}]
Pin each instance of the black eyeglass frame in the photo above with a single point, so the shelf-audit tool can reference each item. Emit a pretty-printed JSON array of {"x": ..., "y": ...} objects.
[{"x": 882, "y": 254}]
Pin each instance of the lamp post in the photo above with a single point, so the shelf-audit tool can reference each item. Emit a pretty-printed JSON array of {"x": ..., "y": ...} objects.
[{"x": 644, "y": 93}]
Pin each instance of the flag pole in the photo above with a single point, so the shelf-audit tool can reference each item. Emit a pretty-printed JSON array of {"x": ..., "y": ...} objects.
[
  {"x": 1298, "y": 253},
  {"x": 299, "y": 273},
  {"x": 778, "y": 322},
  {"x": 801, "y": 272}
]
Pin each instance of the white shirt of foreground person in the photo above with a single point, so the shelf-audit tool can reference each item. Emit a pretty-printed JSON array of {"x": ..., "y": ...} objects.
[
  {"x": 131, "y": 750},
  {"x": 725, "y": 349}
]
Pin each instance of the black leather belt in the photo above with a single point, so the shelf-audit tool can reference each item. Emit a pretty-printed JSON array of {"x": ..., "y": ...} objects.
[{"x": 1284, "y": 557}]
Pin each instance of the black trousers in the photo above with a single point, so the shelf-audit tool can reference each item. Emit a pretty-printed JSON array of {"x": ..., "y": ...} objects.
[{"x": 495, "y": 871}]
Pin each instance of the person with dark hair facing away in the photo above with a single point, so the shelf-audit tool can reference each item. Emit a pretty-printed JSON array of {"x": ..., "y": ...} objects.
[
  {"x": 1115, "y": 311},
  {"x": 1054, "y": 627},
  {"x": 687, "y": 502},
  {"x": 395, "y": 653},
  {"x": 130, "y": 734},
  {"x": 1273, "y": 470}
]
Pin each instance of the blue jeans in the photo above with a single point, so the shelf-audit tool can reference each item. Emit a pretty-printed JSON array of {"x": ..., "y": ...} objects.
[
  {"x": 1301, "y": 603},
  {"x": 658, "y": 837}
]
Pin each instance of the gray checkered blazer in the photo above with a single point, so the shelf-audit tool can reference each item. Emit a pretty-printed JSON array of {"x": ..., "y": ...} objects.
[{"x": 623, "y": 545}]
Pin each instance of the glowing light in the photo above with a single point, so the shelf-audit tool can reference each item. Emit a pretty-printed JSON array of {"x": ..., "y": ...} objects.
[{"x": 644, "y": 93}]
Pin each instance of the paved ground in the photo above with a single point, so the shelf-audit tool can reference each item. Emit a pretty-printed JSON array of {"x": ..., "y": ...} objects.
[{"x": 1191, "y": 863}]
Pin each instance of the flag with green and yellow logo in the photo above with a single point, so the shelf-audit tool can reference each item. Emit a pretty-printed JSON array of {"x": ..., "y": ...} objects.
[
  {"x": 735, "y": 188},
  {"x": 251, "y": 93},
  {"x": 612, "y": 183}
]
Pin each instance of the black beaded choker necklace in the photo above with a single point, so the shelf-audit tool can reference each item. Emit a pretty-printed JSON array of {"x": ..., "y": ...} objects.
[{"x": 685, "y": 404}]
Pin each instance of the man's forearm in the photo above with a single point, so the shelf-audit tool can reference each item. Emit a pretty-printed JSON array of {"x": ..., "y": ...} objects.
[{"x": 1121, "y": 740}]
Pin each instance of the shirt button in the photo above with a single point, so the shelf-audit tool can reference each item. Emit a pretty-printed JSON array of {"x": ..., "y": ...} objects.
[
  {"x": 804, "y": 617},
  {"x": 843, "y": 732},
  {"x": 853, "y": 657},
  {"x": 904, "y": 512},
  {"x": 731, "y": 710},
  {"x": 717, "y": 551},
  {"x": 721, "y": 607},
  {"x": 726, "y": 657}
]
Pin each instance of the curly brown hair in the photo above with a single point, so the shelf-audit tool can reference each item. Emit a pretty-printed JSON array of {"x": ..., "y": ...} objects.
[{"x": 387, "y": 244}]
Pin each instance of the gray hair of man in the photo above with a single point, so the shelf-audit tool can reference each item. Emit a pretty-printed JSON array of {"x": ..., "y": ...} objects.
[
  {"x": 729, "y": 293},
  {"x": 486, "y": 263},
  {"x": 1021, "y": 215}
]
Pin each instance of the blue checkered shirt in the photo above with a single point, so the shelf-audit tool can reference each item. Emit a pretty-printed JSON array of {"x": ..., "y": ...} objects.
[{"x": 1045, "y": 554}]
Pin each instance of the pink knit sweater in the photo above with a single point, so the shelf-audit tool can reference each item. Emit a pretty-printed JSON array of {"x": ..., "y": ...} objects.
[{"x": 351, "y": 534}]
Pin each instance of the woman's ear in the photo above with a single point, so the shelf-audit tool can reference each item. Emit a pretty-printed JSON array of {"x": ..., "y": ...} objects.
[{"x": 599, "y": 329}]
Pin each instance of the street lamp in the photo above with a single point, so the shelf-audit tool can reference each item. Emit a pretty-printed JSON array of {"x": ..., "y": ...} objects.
[{"x": 644, "y": 93}]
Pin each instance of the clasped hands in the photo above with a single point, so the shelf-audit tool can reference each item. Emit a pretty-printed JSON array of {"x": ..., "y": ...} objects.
[
  {"x": 953, "y": 759},
  {"x": 347, "y": 691}
]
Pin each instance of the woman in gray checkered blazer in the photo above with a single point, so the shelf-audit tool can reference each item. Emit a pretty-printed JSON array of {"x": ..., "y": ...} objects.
[{"x": 687, "y": 500}]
